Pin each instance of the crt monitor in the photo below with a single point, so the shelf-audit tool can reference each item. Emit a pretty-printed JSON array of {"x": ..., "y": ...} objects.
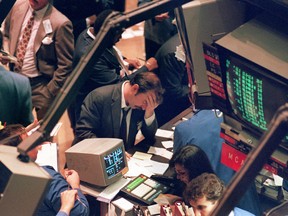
[
  {"x": 22, "y": 185},
  {"x": 254, "y": 94},
  {"x": 98, "y": 161},
  {"x": 206, "y": 21},
  {"x": 253, "y": 61}
]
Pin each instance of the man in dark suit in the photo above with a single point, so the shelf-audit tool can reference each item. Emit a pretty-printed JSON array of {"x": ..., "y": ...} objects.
[
  {"x": 15, "y": 97},
  {"x": 106, "y": 69},
  {"x": 101, "y": 111},
  {"x": 48, "y": 58},
  {"x": 78, "y": 10}
]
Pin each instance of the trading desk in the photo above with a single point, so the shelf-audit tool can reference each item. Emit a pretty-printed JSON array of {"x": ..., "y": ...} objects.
[{"x": 143, "y": 146}]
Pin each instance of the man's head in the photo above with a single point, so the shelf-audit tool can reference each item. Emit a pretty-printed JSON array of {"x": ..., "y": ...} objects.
[
  {"x": 13, "y": 135},
  {"x": 143, "y": 85},
  {"x": 203, "y": 193},
  {"x": 38, "y": 4}
]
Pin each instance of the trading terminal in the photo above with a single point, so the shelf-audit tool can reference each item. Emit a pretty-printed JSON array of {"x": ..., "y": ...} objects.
[{"x": 238, "y": 66}]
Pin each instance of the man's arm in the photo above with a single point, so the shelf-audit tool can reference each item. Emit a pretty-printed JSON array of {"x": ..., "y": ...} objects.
[
  {"x": 150, "y": 123},
  {"x": 149, "y": 131},
  {"x": 89, "y": 121},
  {"x": 53, "y": 195},
  {"x": 64, "y": 48}
]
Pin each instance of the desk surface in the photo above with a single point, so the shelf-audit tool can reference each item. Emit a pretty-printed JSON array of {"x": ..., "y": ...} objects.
[{"x": 143, "y": 146}]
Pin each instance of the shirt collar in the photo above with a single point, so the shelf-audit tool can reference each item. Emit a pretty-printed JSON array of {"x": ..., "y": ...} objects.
[
  {"x": 39, "y": 13},
  {"x": 90, "y": 34},
  {"x": 123, "y": 104}
]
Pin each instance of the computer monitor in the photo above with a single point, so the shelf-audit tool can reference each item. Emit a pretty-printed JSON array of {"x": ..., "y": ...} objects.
[
  {"x": 253, "y": 76},
  {"x": 207, "y": 21},
  {"x": 98, "y": 161},
  {"x": 22, "y": 184}
]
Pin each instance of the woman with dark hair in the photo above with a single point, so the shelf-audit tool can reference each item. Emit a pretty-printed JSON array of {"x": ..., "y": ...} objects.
[{"x": 188, "y": 162}]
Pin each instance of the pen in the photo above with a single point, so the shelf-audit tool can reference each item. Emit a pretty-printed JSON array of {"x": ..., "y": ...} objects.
[{"x": 77, "y": 197}]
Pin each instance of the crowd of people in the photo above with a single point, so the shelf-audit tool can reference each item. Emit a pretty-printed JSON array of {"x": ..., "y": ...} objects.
[{"x": 44, "y": 40}]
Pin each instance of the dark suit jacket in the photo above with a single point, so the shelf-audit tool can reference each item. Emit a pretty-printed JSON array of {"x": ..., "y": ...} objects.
[
  {"x": 15, "y": 97},
  {"x": 78, "y": 10},
  {"x": 101, "y": 113},
  {"x": 53, "y": 60},
  {"x": 105, "y": 71}
]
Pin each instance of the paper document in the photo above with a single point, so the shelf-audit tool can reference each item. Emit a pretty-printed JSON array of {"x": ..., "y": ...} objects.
[
  {"x": 146, "y": 167},
  {"x": 112, "y": 190},
  {"x": 141, "y": 155},
  {"x": 164, "y": 133},
  {"x": 48, "y": 155},
  {"x": 160, "y": 151},
  {"x": 123, "y": 204},
  {"x": 137, "y": 167},
  {"x": 158, "y": 167},
  {"x": 168, "y": 144},
  {"x": 154, "y": 209}
]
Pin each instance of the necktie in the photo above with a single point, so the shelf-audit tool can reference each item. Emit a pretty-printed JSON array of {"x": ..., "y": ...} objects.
[
  {"x": 123, "y": 127},
  {"x": 22, "y": 45}
]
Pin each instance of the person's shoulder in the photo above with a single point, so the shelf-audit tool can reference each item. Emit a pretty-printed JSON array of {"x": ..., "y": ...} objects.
[
  {"x": 18, "y": 78},
  {"x": 241, "y": 212},
  {"x": 84, "y": 40},
  {"x": 56, "y": 176},
  {"x": 104, "y": 94},
  {"x": 58, "y": 17}
]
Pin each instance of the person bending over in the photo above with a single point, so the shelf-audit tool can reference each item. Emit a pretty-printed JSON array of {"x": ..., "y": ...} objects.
[
  {"x": 103, "y": 110},
  {"x": 188, "y": 162},
  {"x": 106, "y": 70}
]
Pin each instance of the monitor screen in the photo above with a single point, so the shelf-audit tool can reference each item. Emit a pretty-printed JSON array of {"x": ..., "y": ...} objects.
[
  {"x": 247, "y": 73},
  {"x": 114, "y": 162},
  {"x": 253, "y": 92},
  {"x": 98, "y": 161}
]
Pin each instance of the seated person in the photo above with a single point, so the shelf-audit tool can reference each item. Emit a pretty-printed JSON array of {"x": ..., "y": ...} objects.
[
  {"x": 203, "y": 194},
  {"x": 203, "y": 130},
  {"x": 188, "y": 162},
  {"x": 173, "y": 75},
  {"x": 106, "y": 70},
  {"x": 102, "y": 110},
  {"x": 13, "y": 135}
]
